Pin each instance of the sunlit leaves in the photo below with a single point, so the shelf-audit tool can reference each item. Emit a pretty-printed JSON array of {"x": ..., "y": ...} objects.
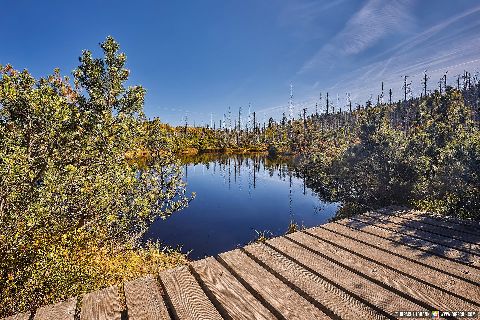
[{"x": 72, "y": 205}]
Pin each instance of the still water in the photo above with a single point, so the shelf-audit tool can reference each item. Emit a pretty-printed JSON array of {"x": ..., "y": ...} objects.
[{"x": 236, "y": 196}]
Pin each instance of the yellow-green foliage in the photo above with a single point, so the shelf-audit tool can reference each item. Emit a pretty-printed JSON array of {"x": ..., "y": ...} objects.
[
  {"x": 67, "y": 268},
  {"x": 192, "y": 140},
  {"x": 73, "y": 205}
]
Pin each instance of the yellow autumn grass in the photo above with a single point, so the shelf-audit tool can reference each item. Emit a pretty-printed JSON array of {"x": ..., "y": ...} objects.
[{"x": 65, "y": 270}]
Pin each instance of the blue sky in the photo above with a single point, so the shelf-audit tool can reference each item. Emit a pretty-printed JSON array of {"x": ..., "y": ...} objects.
[{"x": 200, "y": 57}]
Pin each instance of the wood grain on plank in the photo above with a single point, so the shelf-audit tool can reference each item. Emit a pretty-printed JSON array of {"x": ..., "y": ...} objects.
[
  {"x": 465, "y": 224},
  {"x": 415, "y": 229},
  {"x": 286, "y": 301},
  {"x": 347, "y": 238},
  {"x": 238, "y": 302},
  {"x": 325, "y": 293},
  {"x": 377, "y": 237},
  {"x": 64, "y": 310},
  {"x": 363, "y": 288},
  {"x": 19, "y": 316},
  {"x": 144, "y": 300},
  {"x": 103, "y": 304},
  {"x": 412, "y": 290},
  {"x": 427, "y": 248},
  {"x": 458, "y": 226},
  {"x": 418, "y": 223},
  {"x": 470, "y": 225},
  {"x": 425, "y": 243},
  {"x": 188, "y": 299}
]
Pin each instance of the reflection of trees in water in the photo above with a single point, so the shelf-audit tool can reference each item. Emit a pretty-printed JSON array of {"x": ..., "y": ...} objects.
[
  {"x": 230, "y": 166},
  {"x": 332, "y": 187},
  {"x": 258, "y": 166}
]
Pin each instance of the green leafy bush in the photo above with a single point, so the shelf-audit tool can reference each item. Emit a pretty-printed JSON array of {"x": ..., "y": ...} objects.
[
  {"x": 72, "y": 206},
  {"x": 423, "y": 153}
]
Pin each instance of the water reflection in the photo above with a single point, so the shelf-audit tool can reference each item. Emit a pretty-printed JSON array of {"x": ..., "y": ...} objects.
[{"x": 236, "y": 195}]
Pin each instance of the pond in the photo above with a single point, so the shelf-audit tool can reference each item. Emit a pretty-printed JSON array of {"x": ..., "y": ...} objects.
[{"x": 236, "y": 197}]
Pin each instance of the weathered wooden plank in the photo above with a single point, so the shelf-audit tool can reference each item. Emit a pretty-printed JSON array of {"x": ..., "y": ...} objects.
[
  {"x": 416, "y": 230},
  {"x": 19, "y": 316},
  {"x": 375, "y": 237},
  {"x": 409, "y": 288},
  {"x": 456, "y": 225},
  {"x": 188, "y": 299},
  {"x": 427, "y": 248},
  {"x": 470, "y": 225},
  {"x": 363, "y": 288},
  {"x": 237, "y": 301},
  {"x": 144, "y": 300},
  {"x": 426, "y": 242},
  {"x": 288, "y": 303},
  {"x": 64, "y": 310},
  {"x": 394, "y": 271},
  {"x": 103, "y": 304},
  {"x": 418, "y": 223},
  {"x": 339, "y": 302}
]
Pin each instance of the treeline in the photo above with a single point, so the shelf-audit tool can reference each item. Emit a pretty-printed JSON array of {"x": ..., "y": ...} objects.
[
  {"x": 423, "y": 152},
  {"x": 290, "y": 135},
  {"x": 193, "y": 140}
]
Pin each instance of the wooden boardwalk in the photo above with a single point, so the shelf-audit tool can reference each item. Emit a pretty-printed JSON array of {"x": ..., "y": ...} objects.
[{"x": 366, "y": 267}]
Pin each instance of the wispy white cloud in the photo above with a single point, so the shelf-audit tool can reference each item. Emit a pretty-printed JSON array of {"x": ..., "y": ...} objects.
[
  {"x": 452, "y": 45},
  {"x": 418, "y": 40},
  {"x": 304, "y": 17},
  {"x": 306, "y": 12},
  {"x": 373, "y": 22}
]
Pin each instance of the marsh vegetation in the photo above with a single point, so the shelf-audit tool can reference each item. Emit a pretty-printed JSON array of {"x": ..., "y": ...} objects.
[{"x": 84, "y": 175}]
